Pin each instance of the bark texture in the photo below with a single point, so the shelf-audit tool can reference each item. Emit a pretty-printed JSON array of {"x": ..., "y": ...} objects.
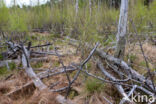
[{"x": 121, "y": 35}]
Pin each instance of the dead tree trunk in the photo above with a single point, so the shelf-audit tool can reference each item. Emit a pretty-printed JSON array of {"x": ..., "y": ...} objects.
[
  {"x": 76, "y": 7},
  {"x": 90, "y": 8},
  {"x": 26, "y": 65},
  {"x": 121, "y": 35}
]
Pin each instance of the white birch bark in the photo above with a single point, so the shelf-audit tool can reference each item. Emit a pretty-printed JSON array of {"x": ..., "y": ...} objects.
[
  {"x": 99, "y": 3},
  {"x": 122, "y": 27},
  {"x": 38, "y": 83},
  {"x": 76, "y": 7},
  {"x": 90, "y": 8}
]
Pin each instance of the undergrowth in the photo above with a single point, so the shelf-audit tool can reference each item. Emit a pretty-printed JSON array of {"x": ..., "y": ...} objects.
[
  {"x": 93, "y": 85},
  {"x": 59, "y": 18}
]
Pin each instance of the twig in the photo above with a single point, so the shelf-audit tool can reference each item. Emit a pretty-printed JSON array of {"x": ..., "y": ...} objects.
[
  {"x": 141, "y": 47},
  {"x": 104, "y": 80},
  {"x": 54, "y": 84},
  {"x": 64, "y": 67},
  {"x": 107, "y": 100},
  {"x": 26, "y": 65},
  {"x": 129, "y": 94},
  {"x": 81, "y": 67},
  {"x": 41, "y": 45},
  {"x": 119, "y": 87}
]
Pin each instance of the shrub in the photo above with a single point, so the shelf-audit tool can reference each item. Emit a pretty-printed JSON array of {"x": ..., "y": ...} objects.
[
  {"x": 17, "y": 21},
  {"x": 4, "y": 16}
]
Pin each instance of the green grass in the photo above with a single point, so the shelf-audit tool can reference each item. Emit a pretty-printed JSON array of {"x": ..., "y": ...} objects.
[
  {"x": 154, "y": 69},
  {"x": 132, "y": 57},
  {"x": 4, "y": 70},
  {"x": 12, "y": 66},
  {"x": 143, "y": 63},
  {"x": 37, "y": 65},
  {"x": 1, "y": 57},
  {"x": 72, "y": 94},
  {"x": 56, "y": 64},
  {"x": 94, "y": 85},
  {"x": 61, "y": 18},
  {"x": 89, "y": 65}
]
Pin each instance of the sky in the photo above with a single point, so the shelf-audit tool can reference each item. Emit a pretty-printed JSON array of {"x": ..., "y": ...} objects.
[{"x": 24, "y": 2}]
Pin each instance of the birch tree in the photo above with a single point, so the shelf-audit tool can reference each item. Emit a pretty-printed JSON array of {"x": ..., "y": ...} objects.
[
  {"x": 76, "y": 7},
  {"x": 99, "y": 5},
  {"x": 90, "y": 8},
  {"x": 14, "y": 2},
  {"x": 121, "y": 34}
]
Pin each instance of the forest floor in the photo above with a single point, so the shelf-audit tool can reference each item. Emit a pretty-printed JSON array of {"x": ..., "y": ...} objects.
[{"x": 84, "y": 90}]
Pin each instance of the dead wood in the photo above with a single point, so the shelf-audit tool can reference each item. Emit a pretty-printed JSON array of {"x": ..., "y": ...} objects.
[
  {"x": 119, "y": 87},
  {"x": 26, "y": 65},
  {"x": 61, "y": 99}
]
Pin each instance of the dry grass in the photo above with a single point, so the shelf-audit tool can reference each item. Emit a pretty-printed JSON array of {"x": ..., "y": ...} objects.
[
  {"x": 34, "y": 96},
  {"x": 25, "y": 96},
  {"x": 31, "y": 95},
  {"x": 150, "y": 52},
  {"x": 43, "y": 97},
  {"x": 138, "y": 61}
]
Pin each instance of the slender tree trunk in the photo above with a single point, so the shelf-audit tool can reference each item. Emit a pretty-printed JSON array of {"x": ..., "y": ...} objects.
[
  {"x": 121, "y": 35},
  {"x": 99, "y": 4},
  {"x": 76, "y": 7},
  {"x": 38, "y": 2},
  {"x": 90, "y": 8},
  {"x": 14, "y": 2}
]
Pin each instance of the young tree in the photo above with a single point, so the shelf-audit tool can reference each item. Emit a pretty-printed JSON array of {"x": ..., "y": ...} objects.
[
  {"x": 121, "y": 35},
  {"x": 4, "y": 16}
]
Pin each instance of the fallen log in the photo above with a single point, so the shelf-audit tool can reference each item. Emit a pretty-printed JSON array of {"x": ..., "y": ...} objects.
[
  {"x": 124, "y": 69},
  {"x": 119, "y": 87},
  {"x": 128, "y": 70},
  {"x": 26, "y": 65},
  {"x": 50, "y": 73},
  {"x": 41, "y": 75},
  {"x": 131, "y": 73}
]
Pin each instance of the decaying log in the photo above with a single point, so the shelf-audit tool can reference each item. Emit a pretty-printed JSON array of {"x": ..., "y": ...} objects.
[
  {"x": 26, "y": 65},
  {"x": 119, "y": 87},
  {"x": 50, "y": 73},
  {"x": 128, "y": 70},
  {"x": 119, "y": 63},
  {"x": 41, "y": 75},
  {"x": 122, "y": 27},
  {"x": 129, "y": 94},
  {"x": 43, "y": 53},
  {"x": 124, "y": 70},
  {"x": 118, "y": 66}
]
